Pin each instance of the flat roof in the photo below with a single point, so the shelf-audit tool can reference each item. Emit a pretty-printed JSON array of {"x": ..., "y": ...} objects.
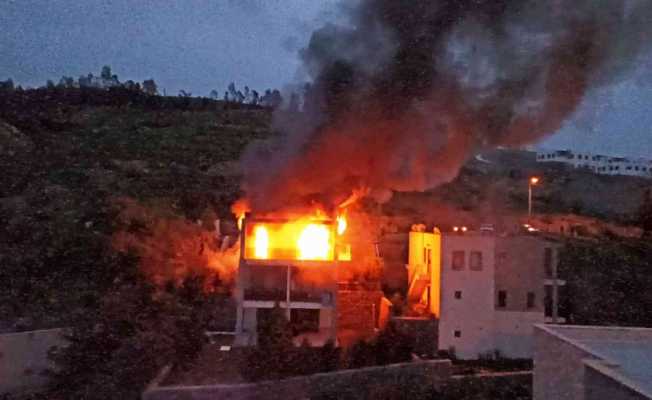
[{"x": 624, "y": 354}]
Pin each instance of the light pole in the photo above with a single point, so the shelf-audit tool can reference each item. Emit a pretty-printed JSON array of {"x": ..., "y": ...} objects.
[{"x": 531, "y": 182}]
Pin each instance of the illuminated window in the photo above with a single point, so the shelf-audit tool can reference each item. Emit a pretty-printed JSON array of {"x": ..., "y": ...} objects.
[
  {"x": 458, "y": 260},
  {"x": 475, "y": 261},
  {"x": 531, "y": 300},
  {"x": 502, "y": 299},
  {"x": 458, "y": 294}
]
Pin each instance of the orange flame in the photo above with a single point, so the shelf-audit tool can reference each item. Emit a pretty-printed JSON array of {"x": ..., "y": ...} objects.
[
  {"x": 341, "y": 224},
  {"x": 261, "y": 242},
  {"x": 309, "y": 238}
]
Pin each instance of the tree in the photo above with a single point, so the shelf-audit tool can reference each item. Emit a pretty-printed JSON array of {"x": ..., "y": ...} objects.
[
  {"x": 294, "y": 103},
  {"x": 276, "y": 99},
  {"x": 7, "y": 86},
  {"x": 149, "y": 87},
  {"x": 233, "y": 92},
  {"x": 272, "y": 357},
  {"x": 115, "y": 351},
  {"x": 247, "y": 94},
  {"x": 214, "y": 95},
  {"x": 49, "y": 84},
  {"x": 645, "y": 213},
  {"x": 255, "y": 97},
  {"x": 66, "y": 82},
  {"x": 183, "y": 93},
  {"x": 106, "y": 73}
]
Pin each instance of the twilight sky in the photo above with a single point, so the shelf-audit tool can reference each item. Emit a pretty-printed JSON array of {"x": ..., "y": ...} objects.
[{"x": 200, "y": 45}]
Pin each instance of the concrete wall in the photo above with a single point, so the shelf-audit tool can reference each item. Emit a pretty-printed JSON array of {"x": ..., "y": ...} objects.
[
  {"x": 514, "y": 332},
  {"x": 601, "y": 387},
  {"x": 23, "y": 359},
  {"x": 473, "y": 314},
  {"x": 355, "y": 383},
  {"x": 520, "y": 270},
  {"x": 558, "y": 368}
]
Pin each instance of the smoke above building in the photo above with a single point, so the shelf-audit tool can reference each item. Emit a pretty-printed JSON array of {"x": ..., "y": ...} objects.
[{"x": 402, "y": 93}]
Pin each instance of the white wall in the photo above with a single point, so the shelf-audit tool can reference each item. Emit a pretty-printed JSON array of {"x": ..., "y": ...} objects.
[
  {"x": 514, "y": 332},
  {"x": 472, "y": 315}
]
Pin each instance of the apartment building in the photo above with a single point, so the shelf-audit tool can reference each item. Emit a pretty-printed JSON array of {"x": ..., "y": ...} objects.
[
  {"x": 274, "y": 273},
  {"x": 486, "y": 290},
  {"x": 599, "y": 163}
]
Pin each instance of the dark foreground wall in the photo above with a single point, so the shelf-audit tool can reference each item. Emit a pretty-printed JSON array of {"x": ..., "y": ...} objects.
[
  {"x": 24, "y": 359},
  {"x": 363, "y": 383}
]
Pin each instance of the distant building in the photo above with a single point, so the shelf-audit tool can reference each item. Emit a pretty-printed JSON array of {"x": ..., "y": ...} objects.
[
  {"x": 592, "y": 363},
  {"x": 598, "y": 163},
  {"x": 487, "y": 291}
]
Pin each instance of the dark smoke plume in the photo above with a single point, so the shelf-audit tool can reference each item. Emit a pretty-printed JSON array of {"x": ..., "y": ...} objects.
[{"x": 406, "y": 91}]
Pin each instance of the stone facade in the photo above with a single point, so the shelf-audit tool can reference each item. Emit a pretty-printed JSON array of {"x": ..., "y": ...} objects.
[{"x": 358, "y": 312}]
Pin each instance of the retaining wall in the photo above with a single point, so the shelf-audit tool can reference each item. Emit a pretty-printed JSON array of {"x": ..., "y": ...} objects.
[{"x": 354, "y": 383}]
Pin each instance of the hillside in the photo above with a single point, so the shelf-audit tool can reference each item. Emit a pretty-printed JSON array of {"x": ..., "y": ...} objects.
[
  {"x": 70, "y": 155},
  {"x": 67, "y": 158}
]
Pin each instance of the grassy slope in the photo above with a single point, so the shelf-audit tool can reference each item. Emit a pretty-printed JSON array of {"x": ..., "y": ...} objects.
[{"x": 75, "y": 150}]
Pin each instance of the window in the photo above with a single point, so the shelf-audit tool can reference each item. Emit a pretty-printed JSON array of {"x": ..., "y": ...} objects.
[
  {"x": 458, "y": 294},
  {"x": 547, "y": 262},
  {"x": 502, "y": 299},
  {"x": 547, "y": 301},
  {"x": 530, "y": 300},
  {"x": 458, "y": 260},
  {"x": 475, "y": 261},
  {"x": 304, "y": 320},
  {"x": 457, "y": 333}
]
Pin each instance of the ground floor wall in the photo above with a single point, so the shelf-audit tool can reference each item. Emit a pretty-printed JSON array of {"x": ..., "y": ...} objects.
[
  {"x": 24, "y": 358},
  {"x": 506, "y": 332},
  {"x": 248, "y": 314},
  {"x": 513, "y": 333}
]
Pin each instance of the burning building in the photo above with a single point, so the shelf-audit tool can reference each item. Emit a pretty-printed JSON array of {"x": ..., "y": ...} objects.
[{"x": 291, "y": 263}]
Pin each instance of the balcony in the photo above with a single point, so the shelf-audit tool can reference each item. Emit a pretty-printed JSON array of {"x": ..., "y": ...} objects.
[{"x": 323, "y": 297}]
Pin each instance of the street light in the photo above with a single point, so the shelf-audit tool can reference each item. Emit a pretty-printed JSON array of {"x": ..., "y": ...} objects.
[{"x": 533, "y": 181}]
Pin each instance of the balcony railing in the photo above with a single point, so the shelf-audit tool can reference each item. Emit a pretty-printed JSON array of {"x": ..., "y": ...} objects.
[{"x": 259, "y": 294}]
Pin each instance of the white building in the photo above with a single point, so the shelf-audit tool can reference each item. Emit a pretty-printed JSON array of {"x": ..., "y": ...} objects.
[
  {"x": 487, "y": 291},
  {"x": 592, "y": 363},
  {"x": 598, "y": 163}
]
